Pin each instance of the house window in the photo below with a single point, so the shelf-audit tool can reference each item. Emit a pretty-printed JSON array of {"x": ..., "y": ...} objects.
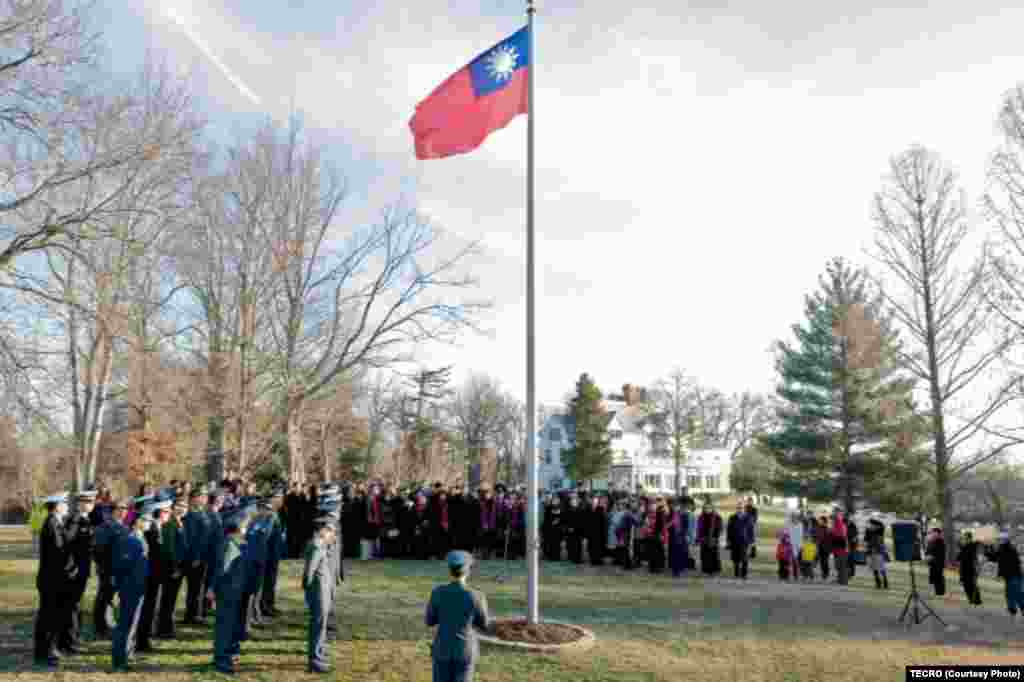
[
  {"x": 555, "y": 434},
  {"x": 547, "y": 457},
  {"x": 693, "y": 481},
  {"x": 670, "y": 481},
  {"x": 712, "y": 481},
  {"x": 615, "y": 435},
  {"x": 652, "y": 481}
]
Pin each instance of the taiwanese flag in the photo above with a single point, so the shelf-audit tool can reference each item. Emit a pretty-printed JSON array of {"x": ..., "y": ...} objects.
[{"x": 474, "y": 102}]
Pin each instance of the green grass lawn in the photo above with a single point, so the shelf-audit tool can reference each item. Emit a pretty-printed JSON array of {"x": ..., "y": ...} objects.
[{"x": 647, "y": 627}]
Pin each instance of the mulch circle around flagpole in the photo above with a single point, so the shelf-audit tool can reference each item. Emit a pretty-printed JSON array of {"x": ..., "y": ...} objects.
[{"x": 544, "y": 637}]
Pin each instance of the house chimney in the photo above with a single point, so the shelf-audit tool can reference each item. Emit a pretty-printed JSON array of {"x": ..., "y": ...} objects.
[{"x": 627, "y": 393}]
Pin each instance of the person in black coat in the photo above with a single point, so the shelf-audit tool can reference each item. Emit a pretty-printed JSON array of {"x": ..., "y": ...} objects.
[
  {"x": 106, "y": 539},
  {"x": 575, "y": 530},
  {"x": 56, "y": 573},
  {"x": 551, "y": 529},
  {"x": 968, "y": 562},
  {"x": 80, "y": 537},
  {"x": 197, "y": 548},
  {"x": 936, "y": 553},
  {"x": 1007, "y": 558},
  {"x": 159, "y": 571},
  {"x": 389, "y": 531},
  {"x": 596, "y": 521},
  {"x": 293, "y": 503}
]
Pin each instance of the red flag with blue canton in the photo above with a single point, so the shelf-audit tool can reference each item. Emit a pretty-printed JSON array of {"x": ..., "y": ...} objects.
[{"x": 483, "y": 96}]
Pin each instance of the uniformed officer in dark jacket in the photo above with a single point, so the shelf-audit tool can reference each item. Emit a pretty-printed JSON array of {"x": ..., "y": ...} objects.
[
  {"x": 457, "y": 611},
  {"x": 158, "y": 513},
  {"x": 129, "y": 572},
  {"x": 108, "y": 536},
  {"x": 256, "y": 543},
  {"x": 277, "y": 549},
  {"x": 174, "y": 547},
  {"x": 80, "y": 536},
  {"x": 197, "y": 542},
  {"x": 214, "y": 543},
  {"x": 318, "y": 586},
  {"x": 56, "y": 572},
  {"x": 227, "y": 586}
]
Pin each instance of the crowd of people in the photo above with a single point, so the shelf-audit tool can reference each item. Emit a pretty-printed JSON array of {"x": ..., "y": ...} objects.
[
  {"x": 661, "y": 533},
  {"x": 222, "y": 541}
]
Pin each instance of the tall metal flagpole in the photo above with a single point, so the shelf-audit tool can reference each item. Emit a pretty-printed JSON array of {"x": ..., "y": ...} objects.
[{"x": 532, "y": 544}]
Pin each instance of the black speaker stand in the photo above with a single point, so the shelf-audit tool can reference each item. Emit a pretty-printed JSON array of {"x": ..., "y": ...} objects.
[{"x": 917, "y": 601}]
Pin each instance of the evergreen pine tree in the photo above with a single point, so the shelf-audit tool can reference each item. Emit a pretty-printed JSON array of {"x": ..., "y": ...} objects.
[
  {"x": 591, "y": 454},
  {"x": 846, "y": 411}
]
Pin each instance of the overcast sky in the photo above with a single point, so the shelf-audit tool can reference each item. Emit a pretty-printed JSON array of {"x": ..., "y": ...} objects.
[{"x": 698, "y": 163}]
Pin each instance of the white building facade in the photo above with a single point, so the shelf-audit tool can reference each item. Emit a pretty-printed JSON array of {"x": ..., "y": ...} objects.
[{"x": 642, "y": 456}]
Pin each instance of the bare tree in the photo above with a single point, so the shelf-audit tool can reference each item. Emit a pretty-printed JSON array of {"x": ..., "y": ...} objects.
[
  {"x": 229, "y": 267},
  {"x": 75, "y": 142},
  {"x": 921, "y": 225},
  {"x": 88, "y": 284},
  {"x": 672, "y": 406},
  {"x": 511, "y": 439},
  {"x": 366, "y": 305},
  {"x": 373, "y": 398},
  {"x": 477, "y": 414}
]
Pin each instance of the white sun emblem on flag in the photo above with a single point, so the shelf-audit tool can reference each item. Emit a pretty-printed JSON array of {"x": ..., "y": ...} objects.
[{"x": 502, "y": 63}]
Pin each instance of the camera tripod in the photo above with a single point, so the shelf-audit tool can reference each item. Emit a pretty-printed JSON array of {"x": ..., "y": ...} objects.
[{"x": 917, "y": 601}]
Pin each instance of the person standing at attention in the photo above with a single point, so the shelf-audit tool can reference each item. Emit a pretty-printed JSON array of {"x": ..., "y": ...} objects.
[{"x": 456, "y": 610}]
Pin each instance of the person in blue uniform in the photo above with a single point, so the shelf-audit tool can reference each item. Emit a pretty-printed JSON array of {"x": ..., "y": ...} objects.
[
  {"x": 107, "y": 539},
  {"x": 318, "y": 586},
  {"x": 129, "y": 572},
  {"x": 80, "y": 536},
  {"x": 158, "y": 514},
  {"x": 214, "y": 544},
  {"x": 457, "y": 612},
  {"x": 277, "y": 549},
  {"x": 56, "y": 572},
  {"x": 256, "y": 540},
  {"x": 197, "y": 542},
  {"x": 227, "y": 587}
]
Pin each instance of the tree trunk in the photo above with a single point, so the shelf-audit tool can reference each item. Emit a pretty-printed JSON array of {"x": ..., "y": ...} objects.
[
  {"x": 326, "y": 464},
  {"x": 296, "y": 461},
  {"x": 215, "y": 448}
]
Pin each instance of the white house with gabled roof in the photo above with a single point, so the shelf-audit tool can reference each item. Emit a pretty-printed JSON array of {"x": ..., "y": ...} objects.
[{"x": 642, "y": 454}]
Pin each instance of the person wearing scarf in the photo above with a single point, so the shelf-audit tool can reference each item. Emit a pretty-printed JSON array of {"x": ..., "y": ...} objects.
[
  {"x": 709, "y": 534},
  {"x": 657, "y": 536},
  {"x": 784, "y": 555},
  {"x": 374, "y": 521},
  {"x": 840, "y": 545},
  {"x": 676, "y": 540},
  {"x": 517, "y": 546},
  {"x": 488, "y": 524},
  {"x": 421, "y": 528},
  {"x": 440, "y": 524}
]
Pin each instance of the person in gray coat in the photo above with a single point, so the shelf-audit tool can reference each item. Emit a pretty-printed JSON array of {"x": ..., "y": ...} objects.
[
  {"x": 456, "y": 610},
  {"x": 318, "y": 586}
]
